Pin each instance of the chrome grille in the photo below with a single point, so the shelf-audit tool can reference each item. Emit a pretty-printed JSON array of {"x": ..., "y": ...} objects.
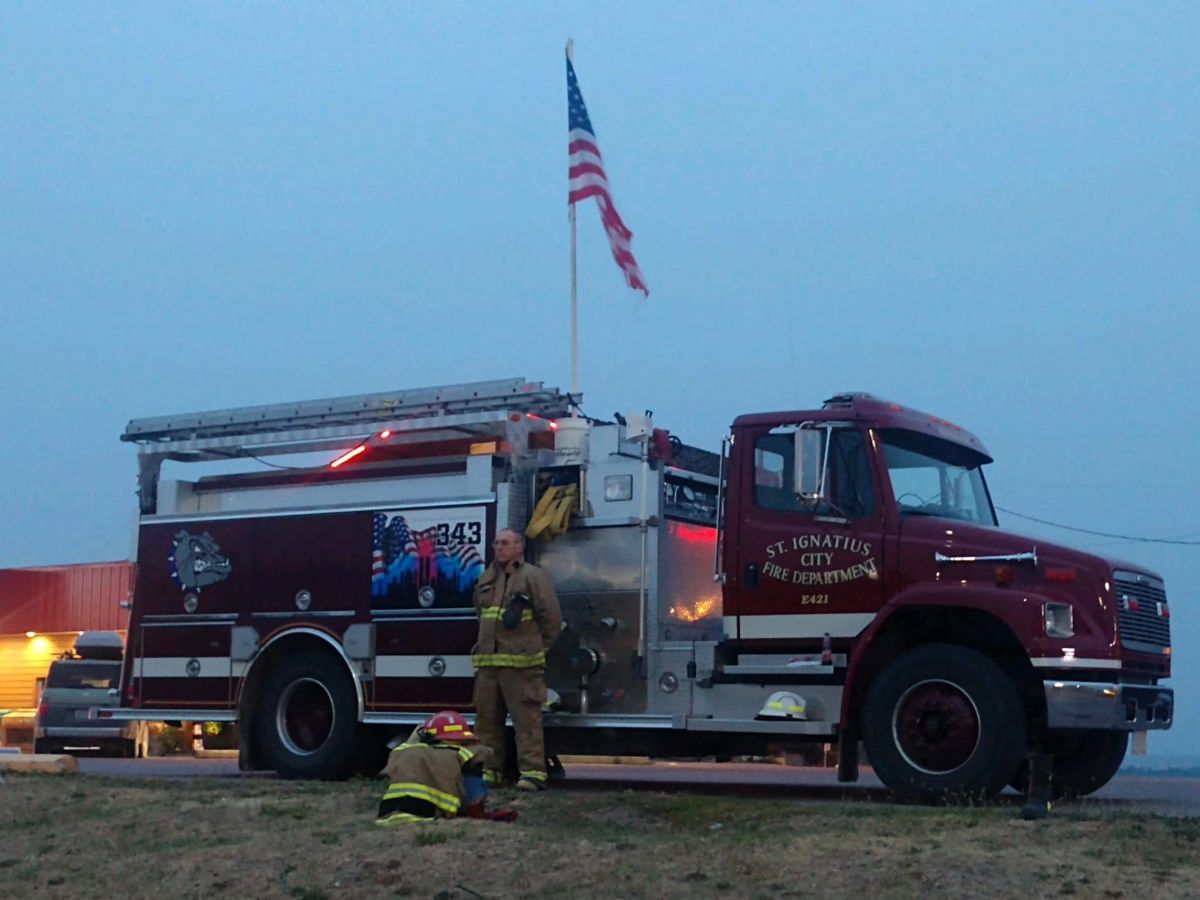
[{"x": 1143, "y": 629}]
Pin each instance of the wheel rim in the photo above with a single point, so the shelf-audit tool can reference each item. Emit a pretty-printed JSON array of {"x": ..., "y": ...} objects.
[
  {"x": 935, "y": 726},
  {"x": 305, "y": 716}
]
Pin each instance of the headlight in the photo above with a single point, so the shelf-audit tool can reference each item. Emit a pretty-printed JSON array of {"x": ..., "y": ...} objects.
[{"x": 1060, "y": 620}]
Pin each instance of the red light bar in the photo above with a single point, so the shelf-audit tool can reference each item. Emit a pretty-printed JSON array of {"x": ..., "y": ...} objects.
[
  {"x": 1060, "y": 574},
  {"x": 348, "y": 455}
]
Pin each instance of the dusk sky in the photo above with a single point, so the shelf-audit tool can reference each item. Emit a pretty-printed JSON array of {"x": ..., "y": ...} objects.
[{"x": 988, "y": 212}]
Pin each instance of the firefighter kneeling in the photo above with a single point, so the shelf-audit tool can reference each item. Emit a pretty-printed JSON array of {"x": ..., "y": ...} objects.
[{"x": 436, "y": 774}]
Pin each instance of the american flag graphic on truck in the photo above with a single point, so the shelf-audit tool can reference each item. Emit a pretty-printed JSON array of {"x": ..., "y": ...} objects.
[{"x": 418, "y": 551}]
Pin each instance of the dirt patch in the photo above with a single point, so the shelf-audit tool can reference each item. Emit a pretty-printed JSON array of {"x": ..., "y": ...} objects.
[{"x": 87, "y": 836}]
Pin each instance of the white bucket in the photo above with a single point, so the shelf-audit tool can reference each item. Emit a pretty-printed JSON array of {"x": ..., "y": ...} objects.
[{"x": 571, "y": 441}]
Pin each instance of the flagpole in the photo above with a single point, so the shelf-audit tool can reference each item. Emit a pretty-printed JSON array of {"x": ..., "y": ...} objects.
[
  {"x": 574, "y": 312},
  {"x": 574, "y": 292}
]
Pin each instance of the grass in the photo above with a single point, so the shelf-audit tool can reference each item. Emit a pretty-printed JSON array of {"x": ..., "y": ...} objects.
[{"x": 74, "y": 836}]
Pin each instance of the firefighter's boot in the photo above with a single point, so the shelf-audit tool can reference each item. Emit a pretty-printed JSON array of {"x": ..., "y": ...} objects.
[{"x": 1037, "y": 799}]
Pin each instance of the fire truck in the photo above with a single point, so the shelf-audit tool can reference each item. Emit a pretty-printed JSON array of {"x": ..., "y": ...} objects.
[{"x": 832, "y": 575}]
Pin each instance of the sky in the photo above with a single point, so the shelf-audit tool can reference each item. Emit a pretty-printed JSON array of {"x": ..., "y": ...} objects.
[{"x": 988, "y": 212}]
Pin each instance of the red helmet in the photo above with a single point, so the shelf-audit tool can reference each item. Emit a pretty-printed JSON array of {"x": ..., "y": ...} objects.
[{"x": 448, "y": 726}]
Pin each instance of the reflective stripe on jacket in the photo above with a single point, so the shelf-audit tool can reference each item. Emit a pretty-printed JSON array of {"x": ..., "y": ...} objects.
[
  {"x": 525, "y": 646},
  {"x": 425, "y": 780}
]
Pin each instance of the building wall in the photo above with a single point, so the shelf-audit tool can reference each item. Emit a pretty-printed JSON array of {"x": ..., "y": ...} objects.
[
  {"x": 55, "y": 603},
  {"x": 23, "y": 660},
  {"x": 55, "y": 599}
]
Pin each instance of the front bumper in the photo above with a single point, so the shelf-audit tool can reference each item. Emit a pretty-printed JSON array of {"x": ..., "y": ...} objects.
[{"x": 1108, "y": 707}]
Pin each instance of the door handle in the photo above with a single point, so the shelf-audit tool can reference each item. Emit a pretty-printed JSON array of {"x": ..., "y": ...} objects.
[{"x": 751, "y": 575}]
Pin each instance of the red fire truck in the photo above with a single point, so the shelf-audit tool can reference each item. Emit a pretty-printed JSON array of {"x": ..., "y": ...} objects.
[{"x": 833, "y": 575}]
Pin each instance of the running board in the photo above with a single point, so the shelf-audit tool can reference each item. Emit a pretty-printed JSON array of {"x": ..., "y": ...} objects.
[
  {"x": 763, "y": 726},
  {"x": 122, "y": 714},
  {"x": 778, "y": 670},
  {"x": 767, "y": 676}
]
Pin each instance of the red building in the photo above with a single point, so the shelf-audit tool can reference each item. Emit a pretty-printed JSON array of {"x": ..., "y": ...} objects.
[{"x": 43, "y": 609}]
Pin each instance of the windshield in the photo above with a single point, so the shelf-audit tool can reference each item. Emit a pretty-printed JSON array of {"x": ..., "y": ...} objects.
[{"x": 932, "y": 477}]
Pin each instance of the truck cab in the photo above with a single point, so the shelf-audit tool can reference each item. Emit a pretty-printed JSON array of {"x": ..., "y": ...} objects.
[{"x": 965, "y": 644}]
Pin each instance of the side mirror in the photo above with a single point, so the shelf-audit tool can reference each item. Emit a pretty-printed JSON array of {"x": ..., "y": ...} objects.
[{"x": 809, "y": 464}]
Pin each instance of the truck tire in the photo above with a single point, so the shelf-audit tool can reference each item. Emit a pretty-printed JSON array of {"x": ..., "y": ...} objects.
[
  {"x": 306, "y": 719},
  {"x": 944, "y": 722},
  {"x": 1082, "y": 762}
]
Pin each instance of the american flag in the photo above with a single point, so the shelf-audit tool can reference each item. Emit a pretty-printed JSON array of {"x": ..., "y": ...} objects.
[
  {"x": 377, "y": 553},
  {"x": 587, "y": 179},
  {"x": 397, "y": 541}
]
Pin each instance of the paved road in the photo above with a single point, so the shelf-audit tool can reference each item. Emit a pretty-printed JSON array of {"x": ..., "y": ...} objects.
[{"x": 1130, "y": 793}]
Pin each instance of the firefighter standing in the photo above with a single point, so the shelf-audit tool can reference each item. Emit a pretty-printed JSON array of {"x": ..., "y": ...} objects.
[
  {"x": 519, "y": 619},
  {"x": 435, "y": 774}
]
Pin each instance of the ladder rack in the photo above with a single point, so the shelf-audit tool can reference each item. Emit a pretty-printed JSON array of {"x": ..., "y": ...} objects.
[{"x": 365, "y": 410}]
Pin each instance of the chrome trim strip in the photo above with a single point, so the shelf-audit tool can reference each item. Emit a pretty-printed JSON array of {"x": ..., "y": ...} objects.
[
  {"x": 765, "y": 726},
  {"x": 308, "y": 614},
  {"x": 604, "y": 522},
  {"x": 1030, "y": 556},
  {"x": 417, "y": 666},
  {"x": 458, "y": 614},
  {"x": 1073, "y": 662},
  {"x": 574, "y": 720},
  {"x": 381, "y": 718},
  {"x": 549, "y": 720},
  {"x": 317, "y": 511},
  {"x": 803, "y": 668},
  {"x": 177, "y": 666},
  {"x": 203, "y": 618},
  {"x": 124, "y": 714}
]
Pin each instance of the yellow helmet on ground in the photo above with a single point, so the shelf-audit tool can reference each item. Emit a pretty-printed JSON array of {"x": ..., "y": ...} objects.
[{"x": 783, "y": 705}]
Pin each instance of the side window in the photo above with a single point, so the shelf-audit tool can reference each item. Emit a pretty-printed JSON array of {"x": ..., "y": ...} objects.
[
  {"x": 774, "y": 484},
  {"x": 849, "y": 477}
]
